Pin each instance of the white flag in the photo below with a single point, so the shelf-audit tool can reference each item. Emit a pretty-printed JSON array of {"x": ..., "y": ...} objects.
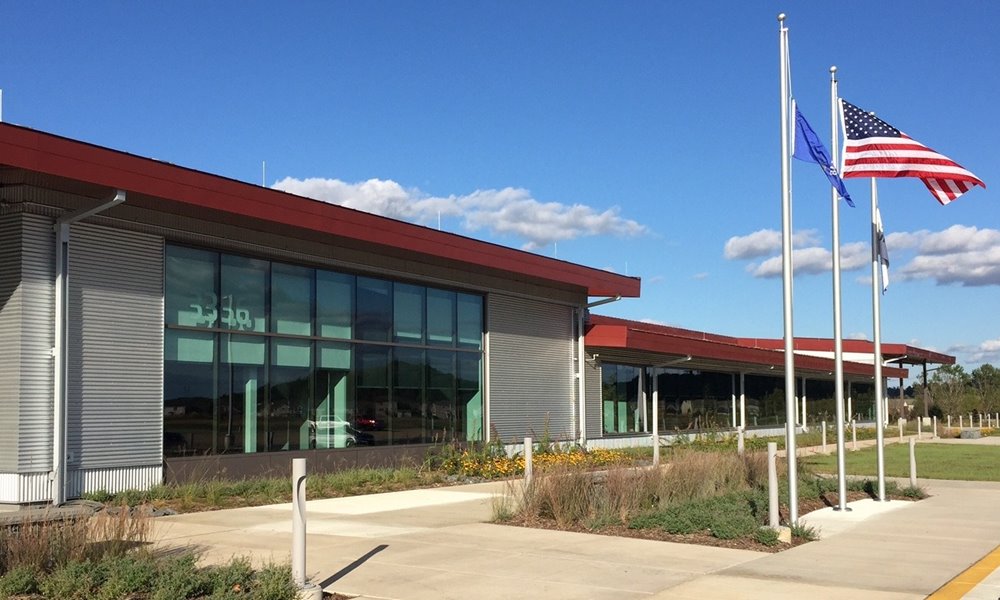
[{"x": 882, "y": 252}]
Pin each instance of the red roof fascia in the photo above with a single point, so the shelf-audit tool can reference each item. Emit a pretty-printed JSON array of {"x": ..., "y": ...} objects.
[
  {"x": 608, "y": 332},
  {"x": 71, "y": 159}
]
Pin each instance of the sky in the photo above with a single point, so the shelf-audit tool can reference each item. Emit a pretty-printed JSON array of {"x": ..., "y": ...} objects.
[{"x": 639, "y": 137}]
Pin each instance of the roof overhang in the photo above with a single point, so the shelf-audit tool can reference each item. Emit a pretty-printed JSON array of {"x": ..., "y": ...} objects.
[
  {"x": 654, "y": 345},
  {"x": 171, "y": 188},
  {"x": 901, "y": 353}
]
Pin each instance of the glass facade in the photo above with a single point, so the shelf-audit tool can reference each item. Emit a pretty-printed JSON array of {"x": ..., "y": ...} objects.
[
  {"x": 262, "y": 356},
  {"x": 692, "y": 400}
]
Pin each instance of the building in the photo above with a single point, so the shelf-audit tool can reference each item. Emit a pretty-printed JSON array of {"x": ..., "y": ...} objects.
[{"x": 161, "y": 323}]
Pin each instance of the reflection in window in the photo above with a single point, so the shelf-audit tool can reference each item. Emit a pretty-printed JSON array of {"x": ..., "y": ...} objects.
[
  {"x": 374, "y": 309},
  {"x": 291, "y": 300},
  {"x": 334, "y": 305},
  {"x": 620, "y": 399},
  {"x": 244, "y": 289},
  {"x": 282, "y": 367},
  {"x": 192, "y": 277}
]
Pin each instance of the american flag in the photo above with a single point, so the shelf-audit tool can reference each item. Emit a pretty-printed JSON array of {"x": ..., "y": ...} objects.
[{"x": 876, "y": 149}]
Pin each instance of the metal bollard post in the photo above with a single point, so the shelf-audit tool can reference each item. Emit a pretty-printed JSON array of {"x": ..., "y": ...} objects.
[
  {"x": 949, "y": 421},
  {"x": 772, "y": 484},
  {"x": 972, "y": 422},
  {"x": 934, "y": 418},
  {"x": 822, "y": 426},
  {"x": 920, "y": 427},
  {"x": 527, "y": 461},
  {"x": 740, "y": 442},
  {"x": 854, "y": 434},
  {"x": 913, "y": 463},
  {"x": 960, "y": 422},
  {"x": 980, "y": 420},
  {"x": 308, "y": 591}
]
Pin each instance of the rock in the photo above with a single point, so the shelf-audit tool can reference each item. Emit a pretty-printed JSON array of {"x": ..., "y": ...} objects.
[
  {"x": 785, "y": 535},
  {"x": 970, "y": 434}
]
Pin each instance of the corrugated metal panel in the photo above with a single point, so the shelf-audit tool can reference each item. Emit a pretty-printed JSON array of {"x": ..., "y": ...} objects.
[
  {"x": 115, "y": 480},
  {"x": 531, "y": 368},
  {"x": 37, "y": 271},
  {"x": 115, "y": 383},
  {"x": 592, "y": 372},
  {"x": 22, "y": 488},
  {"x": 10, "y": 336}
]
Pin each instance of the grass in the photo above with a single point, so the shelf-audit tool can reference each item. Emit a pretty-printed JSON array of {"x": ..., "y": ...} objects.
[{"x": 934, "y": 461}]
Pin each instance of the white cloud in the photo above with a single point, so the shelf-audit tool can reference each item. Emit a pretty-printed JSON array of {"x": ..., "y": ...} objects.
[
  {"x": 764, "y": 242},
  {"x": 653, "y": 322},
  {"x": 960, "y": 254},
  {"x": 700, "y": 276},
  {"x": 857, "y": 335},
  {"x": 984, "y": 352},
  {"x": 505, "y": 212}
]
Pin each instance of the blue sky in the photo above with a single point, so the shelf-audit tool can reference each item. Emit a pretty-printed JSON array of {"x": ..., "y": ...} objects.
[{"x": 640, "y": 137}]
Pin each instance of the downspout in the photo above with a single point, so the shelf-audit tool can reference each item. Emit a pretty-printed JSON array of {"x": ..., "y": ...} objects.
[
  {"x": 60, "y": 350},
  {"x": 581, "y": 355}
]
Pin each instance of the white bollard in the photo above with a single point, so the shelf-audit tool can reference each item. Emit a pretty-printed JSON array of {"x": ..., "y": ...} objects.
[
  {"x": 972, "y": 422},
  {"x": 960, "y": 422},
  {"x": 934, "y": 419},
  {"x": 307, "y": 591},
  {"x": 822, "y": 426},
  {"x": 299, "y": 521},
  {"x": 949, "y": 421},
  {"x": 854, "y": 434},
  {"x": 772, "y": 484},
  {"x": 980, "y": 420},
  {"x": 527, "y": 461},
  {"x": 913, "y": 462},
  {"x": 740, "y": 442},
  {"x": 920, "y": 427}
]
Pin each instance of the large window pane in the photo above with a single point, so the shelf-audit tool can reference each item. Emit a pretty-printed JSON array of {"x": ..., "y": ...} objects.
[
  {"x": 441, "y": 394},
  {"x": 374, "y": 309},
  {"x": 469, "y": 421},
  {"x": 408, "y": 313},
  {"x": 244, "y": 291},
  {"x": 470, "y": 321},
  {"x": 408, "y": 403},
  {"x": 191, "y": 298},
  {"x": 334, "y": 305},
  {"x": 291, "y": 299},
  {"x": 372, "y": 408},
  {"x": 189, "y": 407},
  {"x": 620, "y": 396},
  {"x": 242, "y": 393},
  {"x": 440, "y": 317}
]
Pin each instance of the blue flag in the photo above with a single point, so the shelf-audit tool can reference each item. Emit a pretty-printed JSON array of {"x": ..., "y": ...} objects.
[{"x": 810, "y": 149}]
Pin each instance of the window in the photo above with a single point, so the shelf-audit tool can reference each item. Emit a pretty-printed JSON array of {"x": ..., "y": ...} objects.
[{"x": 263, "y": 356}]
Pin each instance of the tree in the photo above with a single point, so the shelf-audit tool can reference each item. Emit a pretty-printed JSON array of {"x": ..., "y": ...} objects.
[
  {"x": 950, "y": 388},
  {"x": 986, "y": 382}
]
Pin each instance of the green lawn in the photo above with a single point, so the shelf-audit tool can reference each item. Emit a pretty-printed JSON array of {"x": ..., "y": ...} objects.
[{"x": 934, "y": 461}]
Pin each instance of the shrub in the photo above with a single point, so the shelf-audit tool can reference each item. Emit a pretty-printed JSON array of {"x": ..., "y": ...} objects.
[
  {"x": 274, "y": 582},
  {"x": 20, "y": 580},
  {"x": 767, "y": 536},
  {"x": 804, "y": 532}
]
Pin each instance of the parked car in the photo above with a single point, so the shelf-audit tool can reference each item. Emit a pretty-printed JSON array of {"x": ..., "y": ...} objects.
[{"x": 336, "y": 433}]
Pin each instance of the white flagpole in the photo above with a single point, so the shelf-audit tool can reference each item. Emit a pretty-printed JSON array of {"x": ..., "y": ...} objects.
[
  {"x": 877, "y": 348},
  {"x": 838, "y": 343},
  {"x": 786, "y": 272}
]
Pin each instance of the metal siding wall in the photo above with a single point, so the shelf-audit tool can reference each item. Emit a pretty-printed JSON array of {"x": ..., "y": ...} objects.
[
  {"x": 10, "y": 336},
  {"x": 116, "y": 351},
  {"x": 595, "y": 424},
  {"x": 38, "y": 309},
  {"x": 531, "y": 368}
]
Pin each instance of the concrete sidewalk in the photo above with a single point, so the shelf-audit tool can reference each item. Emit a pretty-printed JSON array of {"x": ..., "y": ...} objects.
[{"x": 436, "y": 544}]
